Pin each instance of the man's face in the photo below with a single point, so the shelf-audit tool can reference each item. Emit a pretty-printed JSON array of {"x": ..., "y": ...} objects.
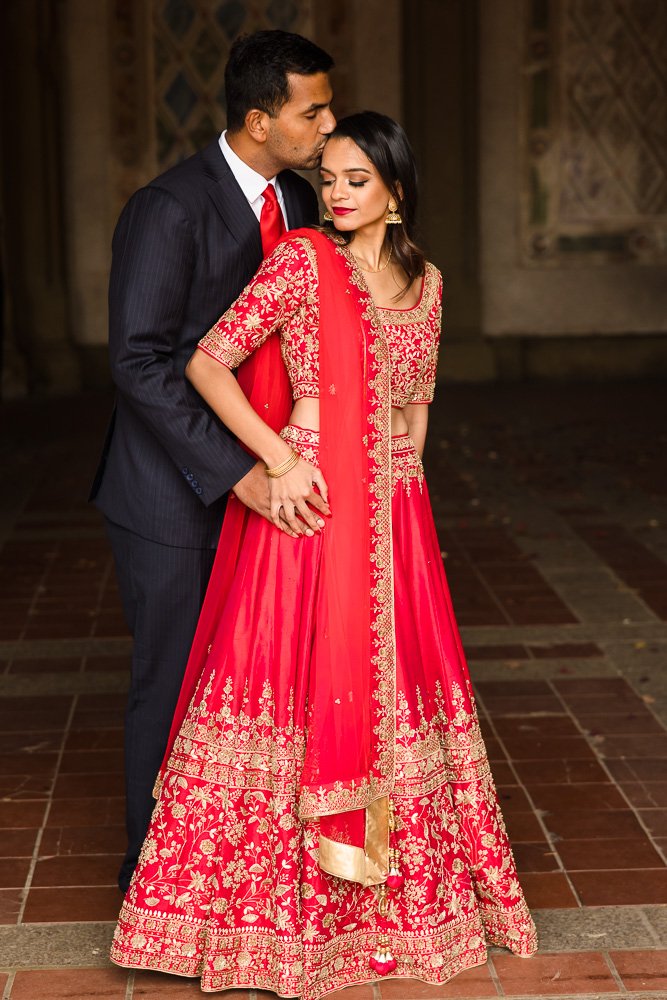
[{"x": 298, "y": 133}]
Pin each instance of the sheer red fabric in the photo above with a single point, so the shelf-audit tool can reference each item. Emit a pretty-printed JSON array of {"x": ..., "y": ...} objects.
[{"x": 348, "y": 768}]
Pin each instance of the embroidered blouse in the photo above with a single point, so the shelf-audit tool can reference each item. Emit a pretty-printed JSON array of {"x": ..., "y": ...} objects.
[{"x": 283, "y": 297}]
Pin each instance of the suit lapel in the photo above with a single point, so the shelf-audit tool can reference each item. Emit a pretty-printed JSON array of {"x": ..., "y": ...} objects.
[
  {"x": 296, "y": 216},
  {"x": 232, "y": 204}
]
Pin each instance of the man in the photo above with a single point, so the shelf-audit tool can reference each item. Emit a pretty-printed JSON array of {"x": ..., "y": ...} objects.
[{"x": 184, "y": 248}]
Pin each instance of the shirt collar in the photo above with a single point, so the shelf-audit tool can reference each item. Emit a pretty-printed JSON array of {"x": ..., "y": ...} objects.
[{"x": 251, "y": 183}]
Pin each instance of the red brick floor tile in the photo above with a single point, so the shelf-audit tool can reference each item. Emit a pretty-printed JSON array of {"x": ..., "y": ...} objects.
[
  {"x": 64, "y": 841},
  {"x": 362, "y": 992},
  {"x": 494, "y": 749},
  {"x": 66, "y": 905},
  {"x": 97, "y": 784},
  {"x": 535, "y": 773},
  {"x": 621, "y": 888},
  {"x": 592, "y": 686},
  {"x": 17, "y": 843},
  {"x": 41, "y": 742},
  {"x": 97, "y": 761},
  {"x": 655, "y": 821},
  {"x": 547, "y": 890},
  {"x": 555, "y": 975},
  {"x": 70, "y": 984},
  {"x": 624, "y": 724},
  {"x": 524, "y": 826},
  {"x": 621, "y": 855},
  {"x": 13, "y": 872},
  {"x": 647, "y": 795},
  {"x": 653, "y": 746},
  {"x": 91, "y": 739},
  {"x": 606, "y": 824},
  {"x": 4, "y": 978},
  {"x": 86, "y": 811},
  {"x": 503, "y": 773},
  {"x": 10, "y": 905},
  {"x": 638, "y": 769},
  {"x": 508, "y": 704},
  {"x": 28, "y": 763},
  {"x": 642, "y": 970},
  {"x": 515, "y": 688},
  {"x": 107, "y": 663},
  {"x": 46, "y": 665},
  {"x": 535, "y": 857},
  {"x": 513, "y": 798},
  {"x": 526, "y": 726},
  {"x": 21, "y": 814},
  {"x": 25, "y": 786},
  {"x": 165, "y": 987},
  {"x": 565, "y": 650},
  {"x": 547, "y": 748},
  {"x": 497, "y": 652},
  {"x": 92, "y": 869},
  {"x": 573, "y": 798},
  {"x": 475, "y": 982}
]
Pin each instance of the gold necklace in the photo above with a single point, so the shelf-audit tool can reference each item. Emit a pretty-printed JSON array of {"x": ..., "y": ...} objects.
[{"x": 376, "y": 270}]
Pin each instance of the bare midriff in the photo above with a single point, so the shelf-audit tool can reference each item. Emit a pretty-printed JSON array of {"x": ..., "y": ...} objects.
[{"x": 306, "y": 414}]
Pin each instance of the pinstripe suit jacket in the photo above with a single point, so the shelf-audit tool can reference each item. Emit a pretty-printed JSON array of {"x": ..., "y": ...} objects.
[{"x": 184, "y": 248}]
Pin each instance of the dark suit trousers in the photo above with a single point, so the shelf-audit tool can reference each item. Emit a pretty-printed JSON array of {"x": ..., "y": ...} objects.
[{"x": 162, "y": 588}]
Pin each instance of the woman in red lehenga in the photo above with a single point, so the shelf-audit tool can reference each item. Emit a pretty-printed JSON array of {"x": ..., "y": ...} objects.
[{"x": 326, "y": 814}]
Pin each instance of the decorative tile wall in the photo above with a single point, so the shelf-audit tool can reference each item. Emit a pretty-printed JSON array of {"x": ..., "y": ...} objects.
[
  {"x": 191, "y": 41},
  {"x": 595, "y": 131}
]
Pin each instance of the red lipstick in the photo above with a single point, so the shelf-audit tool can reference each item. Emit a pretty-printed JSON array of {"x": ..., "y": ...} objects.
[{"x": 342, "y": 211}]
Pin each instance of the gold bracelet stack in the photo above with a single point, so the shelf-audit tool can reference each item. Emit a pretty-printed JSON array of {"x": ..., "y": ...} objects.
[{"x": 284, "y": 467}]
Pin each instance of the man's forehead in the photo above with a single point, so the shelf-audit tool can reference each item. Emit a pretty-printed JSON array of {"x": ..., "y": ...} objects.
[{"x": 311, "y": 89}]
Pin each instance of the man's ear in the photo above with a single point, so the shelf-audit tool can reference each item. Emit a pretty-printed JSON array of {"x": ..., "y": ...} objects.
[{"x": 257, "y": 125}]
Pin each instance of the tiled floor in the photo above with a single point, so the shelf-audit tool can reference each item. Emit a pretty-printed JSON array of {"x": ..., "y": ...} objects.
[{"x": 551, "y": 505}]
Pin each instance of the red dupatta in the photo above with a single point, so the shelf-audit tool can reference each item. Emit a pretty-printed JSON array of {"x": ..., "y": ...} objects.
[{"x": 348, "y": 769}]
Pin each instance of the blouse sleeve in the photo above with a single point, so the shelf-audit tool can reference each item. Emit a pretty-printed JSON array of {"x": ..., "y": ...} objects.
[
  {"x": 424, "y": 390},
  {"x": 281, "y": 286}
]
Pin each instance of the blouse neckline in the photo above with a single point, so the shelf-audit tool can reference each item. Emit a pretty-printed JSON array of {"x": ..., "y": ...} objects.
[{"x": 413, "y": 314}]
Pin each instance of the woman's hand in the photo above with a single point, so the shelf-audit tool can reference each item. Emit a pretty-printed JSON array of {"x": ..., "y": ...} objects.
[{"x": 290, "y": 496}]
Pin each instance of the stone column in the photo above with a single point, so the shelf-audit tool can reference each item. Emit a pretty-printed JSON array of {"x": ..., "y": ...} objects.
[
  {"x": 442, "y": 122},
  {"x": 31, "y": 196}
]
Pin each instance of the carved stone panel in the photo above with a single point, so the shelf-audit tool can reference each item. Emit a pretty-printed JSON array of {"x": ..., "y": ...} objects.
[
  {"x": 191, "y": 41},
  {"x": 595, "y": 131}
]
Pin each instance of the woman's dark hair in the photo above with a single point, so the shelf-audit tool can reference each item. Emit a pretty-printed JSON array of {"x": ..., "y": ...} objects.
[
  {"x": 386, "y": 145},
  {"x": 256, "y": 73}
]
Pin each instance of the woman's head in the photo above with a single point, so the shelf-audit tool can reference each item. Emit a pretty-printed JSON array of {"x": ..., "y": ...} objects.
[{"x": 368, "y": 169}]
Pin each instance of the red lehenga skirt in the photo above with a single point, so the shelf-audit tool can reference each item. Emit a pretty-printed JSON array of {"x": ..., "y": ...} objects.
[{"x": 228, "y": 886}]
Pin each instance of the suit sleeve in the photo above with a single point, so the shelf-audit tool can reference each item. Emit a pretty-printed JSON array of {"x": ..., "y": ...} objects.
[{"x": 154, "y": 255}]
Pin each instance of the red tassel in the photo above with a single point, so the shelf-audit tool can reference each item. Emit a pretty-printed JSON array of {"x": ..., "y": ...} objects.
[{"x": 382, "y": 961}]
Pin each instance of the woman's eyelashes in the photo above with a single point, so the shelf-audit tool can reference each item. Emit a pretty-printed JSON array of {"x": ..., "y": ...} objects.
[{"x": 328, "y": 182}]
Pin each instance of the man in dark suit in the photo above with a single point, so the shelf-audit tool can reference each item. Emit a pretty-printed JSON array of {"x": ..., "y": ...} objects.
[{"x": 184, "y": 248}]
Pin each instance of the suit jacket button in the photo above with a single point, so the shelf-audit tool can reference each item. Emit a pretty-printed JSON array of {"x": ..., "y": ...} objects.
[
  {"x": 185, "y": 470},
  {"x": 199, "y": 491}
]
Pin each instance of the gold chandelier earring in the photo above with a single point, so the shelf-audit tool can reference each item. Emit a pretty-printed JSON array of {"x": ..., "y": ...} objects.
[
  {"x": 393, "y": 218},
  {"x": 327, "y": 217}
]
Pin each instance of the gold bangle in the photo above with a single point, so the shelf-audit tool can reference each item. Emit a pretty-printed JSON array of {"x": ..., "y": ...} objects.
[{"x": 284, "y": 467}]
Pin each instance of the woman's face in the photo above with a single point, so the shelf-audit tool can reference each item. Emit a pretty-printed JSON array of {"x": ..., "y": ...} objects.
[{"x": 352, "y": 189}]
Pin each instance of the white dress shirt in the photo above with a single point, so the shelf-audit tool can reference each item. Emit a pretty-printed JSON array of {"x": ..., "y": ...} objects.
[{"x": 251, "y": 183}]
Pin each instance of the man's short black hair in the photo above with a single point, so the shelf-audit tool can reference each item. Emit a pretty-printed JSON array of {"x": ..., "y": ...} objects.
[{"x": 256, "y": 74}]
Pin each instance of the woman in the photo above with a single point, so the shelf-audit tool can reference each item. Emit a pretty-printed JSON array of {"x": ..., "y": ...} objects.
[{"x": 326, "y": 814}]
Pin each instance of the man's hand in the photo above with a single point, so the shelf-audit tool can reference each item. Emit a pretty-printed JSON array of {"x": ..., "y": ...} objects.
[{"x": 253, "y": 491}]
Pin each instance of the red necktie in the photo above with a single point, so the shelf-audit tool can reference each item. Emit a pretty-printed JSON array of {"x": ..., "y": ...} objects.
[{"x": 271, "y": 223}]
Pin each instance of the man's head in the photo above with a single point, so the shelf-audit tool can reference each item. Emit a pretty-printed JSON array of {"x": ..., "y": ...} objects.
[{"x": 278, "y": 97}]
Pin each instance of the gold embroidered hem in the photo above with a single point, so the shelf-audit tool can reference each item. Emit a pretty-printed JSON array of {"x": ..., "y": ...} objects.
[{"x": 229, "y": 886}]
